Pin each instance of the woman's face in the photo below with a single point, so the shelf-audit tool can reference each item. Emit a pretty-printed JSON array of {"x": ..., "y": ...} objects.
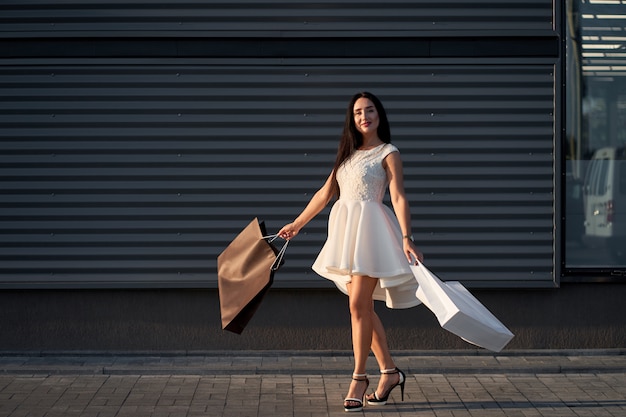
[{"x": 365, "y": 116}]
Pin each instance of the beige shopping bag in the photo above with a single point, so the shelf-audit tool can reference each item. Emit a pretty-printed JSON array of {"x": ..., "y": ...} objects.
[{"x": 245, "y": 272}]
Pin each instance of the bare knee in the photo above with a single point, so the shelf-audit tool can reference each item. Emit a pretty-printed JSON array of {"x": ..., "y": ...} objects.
[
  {"x": 361, "y": 308},
  {"x": 361, "y": 289}
]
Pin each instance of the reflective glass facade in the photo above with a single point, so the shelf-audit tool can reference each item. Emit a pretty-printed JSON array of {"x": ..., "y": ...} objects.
[{"x": 595, "y": 140}]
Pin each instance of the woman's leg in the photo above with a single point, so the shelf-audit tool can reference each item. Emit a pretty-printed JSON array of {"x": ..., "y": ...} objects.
[
  {"x": 361, "y": 290},
  {"x": 380, "y": 348}
]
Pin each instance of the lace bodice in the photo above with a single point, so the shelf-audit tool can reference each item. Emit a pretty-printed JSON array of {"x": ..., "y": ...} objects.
[{"x": 362, "y": 176}]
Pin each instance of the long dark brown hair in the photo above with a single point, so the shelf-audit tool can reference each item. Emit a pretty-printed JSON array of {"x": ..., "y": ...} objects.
[{"x": 352, "y": 139}]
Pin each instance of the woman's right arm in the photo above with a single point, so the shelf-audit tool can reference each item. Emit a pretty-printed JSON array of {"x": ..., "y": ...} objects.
[{"x": 319, "y": 200}]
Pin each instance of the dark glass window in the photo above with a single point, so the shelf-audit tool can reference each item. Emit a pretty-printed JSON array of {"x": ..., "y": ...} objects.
[{"x": 595, "y": 141}]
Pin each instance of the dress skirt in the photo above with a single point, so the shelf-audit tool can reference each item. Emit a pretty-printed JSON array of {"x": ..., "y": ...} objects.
[{"x": 364, "y": 238}]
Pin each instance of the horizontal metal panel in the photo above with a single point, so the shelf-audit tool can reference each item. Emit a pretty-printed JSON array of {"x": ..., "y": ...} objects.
[
  {"x": 238, "y": 16},
  {"x": 140, "y": 175},
  {"x": 321, "y": 45}
]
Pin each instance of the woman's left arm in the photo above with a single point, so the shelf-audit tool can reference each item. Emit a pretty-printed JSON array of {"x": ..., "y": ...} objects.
[{"x": 393, "y": 165}]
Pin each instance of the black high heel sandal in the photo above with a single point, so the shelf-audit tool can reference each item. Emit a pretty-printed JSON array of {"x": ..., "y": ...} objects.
[
  {"x": 359, "y": 401},
  {"x": 374, "y": 399}
]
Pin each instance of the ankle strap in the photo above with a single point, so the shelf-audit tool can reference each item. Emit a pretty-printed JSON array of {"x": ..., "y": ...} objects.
[
  {"x": 359, "y": 377},
  {"x": 389, "y": 371}
]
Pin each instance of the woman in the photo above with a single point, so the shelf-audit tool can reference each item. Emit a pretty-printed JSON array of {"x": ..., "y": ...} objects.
[{"x": 368, "y": 250}]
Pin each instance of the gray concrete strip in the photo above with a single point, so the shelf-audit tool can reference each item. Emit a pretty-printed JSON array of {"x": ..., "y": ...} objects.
[{"x": 307, "y": 363}]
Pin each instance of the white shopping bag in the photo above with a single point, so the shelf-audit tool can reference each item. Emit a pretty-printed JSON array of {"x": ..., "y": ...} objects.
[{"x": 459, "y": 312}]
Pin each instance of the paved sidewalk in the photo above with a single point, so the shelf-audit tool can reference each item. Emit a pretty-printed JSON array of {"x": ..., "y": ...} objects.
[{"x": 310, "y": 384}]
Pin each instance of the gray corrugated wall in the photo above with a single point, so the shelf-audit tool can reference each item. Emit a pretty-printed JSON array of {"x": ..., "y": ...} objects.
[
  {"x": 136, "y": 171},
  {"x": 234, "y": 18}
]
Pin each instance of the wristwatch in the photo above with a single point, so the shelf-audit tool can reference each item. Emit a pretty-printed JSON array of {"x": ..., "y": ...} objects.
[{"x": 409, "y": 237}]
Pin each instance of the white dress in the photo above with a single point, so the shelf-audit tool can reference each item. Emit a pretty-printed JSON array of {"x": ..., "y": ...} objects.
[{"x": 364, "y": 237}]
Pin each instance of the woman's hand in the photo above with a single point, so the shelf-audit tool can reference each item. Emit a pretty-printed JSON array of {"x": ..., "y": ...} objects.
[
  {"x": 289, "y": 231},
  {"x": 412, "y": 253}
]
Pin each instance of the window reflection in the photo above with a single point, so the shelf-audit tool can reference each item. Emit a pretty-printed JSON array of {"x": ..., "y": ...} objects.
[{"x": 595, "y": 204}]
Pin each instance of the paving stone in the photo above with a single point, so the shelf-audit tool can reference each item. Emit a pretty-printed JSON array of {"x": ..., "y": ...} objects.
[{"x": 302, "y": 384}]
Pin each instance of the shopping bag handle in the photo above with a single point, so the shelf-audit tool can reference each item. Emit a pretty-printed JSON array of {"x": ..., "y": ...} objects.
[
  {"x": 281, "y": 252},
  {"x": 415, "y": 261}
]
